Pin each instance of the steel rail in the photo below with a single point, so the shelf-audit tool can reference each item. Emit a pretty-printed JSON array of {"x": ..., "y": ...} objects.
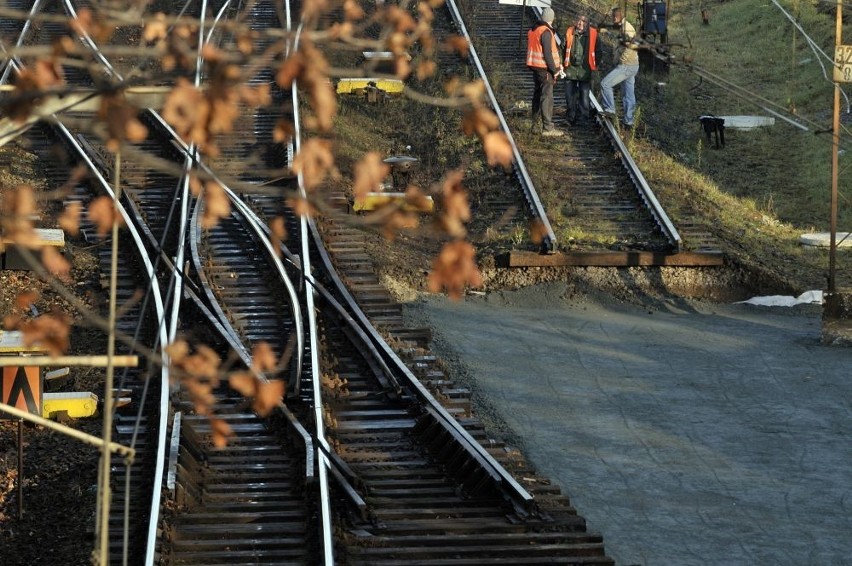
[
  {"x": 644, "y": 189},
  {"x": 229, "y": 335},
  {"x": 246, "y": 211},
  {"x": 161, "y": 330},
  {"x": 304, "y": 226},
  {"x": 517, "y": 494},
  {"x": 175, "y": 290},
  {"x": 36, "y": 8},
  {"x": 548, "y": 244},
  {"x": 163, "y": 339},
  {"x": 639, "y": 182}
]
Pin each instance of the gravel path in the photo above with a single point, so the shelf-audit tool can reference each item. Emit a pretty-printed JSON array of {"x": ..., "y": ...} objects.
[{"x": 686, "y": 433}]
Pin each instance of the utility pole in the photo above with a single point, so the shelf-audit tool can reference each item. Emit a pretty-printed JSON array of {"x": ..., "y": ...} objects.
[{"x": 835, "y": 147}]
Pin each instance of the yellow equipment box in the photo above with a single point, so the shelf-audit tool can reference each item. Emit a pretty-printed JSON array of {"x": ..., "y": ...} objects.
[
  {"x": 377, "y": 200},
  {"x": 75, "y": 405},
  {"x": 357, "y": 86}
]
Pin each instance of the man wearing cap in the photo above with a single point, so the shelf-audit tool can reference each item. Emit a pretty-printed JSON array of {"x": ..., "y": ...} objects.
[
  {"x": 627, "y": 67},
  {"x": 544, "y": 62}
]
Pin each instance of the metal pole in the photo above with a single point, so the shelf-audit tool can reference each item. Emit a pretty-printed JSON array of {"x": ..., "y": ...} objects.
[
  {"x": 105, "y": 490},
  {"x": 832, "y": 249},
  {"x": 20, "y": 468},
  {"x": 523, "y": 13}
]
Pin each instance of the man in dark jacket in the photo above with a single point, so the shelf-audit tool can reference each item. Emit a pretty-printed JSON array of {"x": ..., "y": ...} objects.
[
  {"x": 580, "y": 61},
  {"x": 544, "y": 62}
]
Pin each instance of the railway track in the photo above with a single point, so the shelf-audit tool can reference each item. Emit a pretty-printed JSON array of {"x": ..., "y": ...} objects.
[
  {"x": 377, "y": 457},
  {"x": 590, "y": 187},
  {"x": 138, "y": 424}
]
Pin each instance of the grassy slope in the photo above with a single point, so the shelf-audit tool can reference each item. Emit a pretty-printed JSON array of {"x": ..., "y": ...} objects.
[{"x": 769, "y": 185}]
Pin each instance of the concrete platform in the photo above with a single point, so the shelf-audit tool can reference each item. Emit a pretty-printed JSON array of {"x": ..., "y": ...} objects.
[{"x": 685, "y": 433}]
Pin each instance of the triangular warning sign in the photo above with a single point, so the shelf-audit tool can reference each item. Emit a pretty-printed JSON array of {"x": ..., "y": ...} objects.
[{"x": 22, "y": 388}]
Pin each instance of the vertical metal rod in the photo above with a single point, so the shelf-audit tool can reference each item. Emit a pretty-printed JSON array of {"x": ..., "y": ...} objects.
[
  {"x": 523, "y": 14},
  {"x": 104, "y": 476},
  {"x": 20, "y": 468},
  {"x": 832, "y": 249}
]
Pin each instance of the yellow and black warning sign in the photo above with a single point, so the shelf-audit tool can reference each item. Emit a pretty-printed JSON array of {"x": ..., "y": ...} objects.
[{"x": 22, "y": 388}]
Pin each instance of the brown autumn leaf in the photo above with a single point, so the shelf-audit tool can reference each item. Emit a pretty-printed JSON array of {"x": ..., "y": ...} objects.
[
  {"x": 290, "y": 69},
  {"x": 12, "y": 321},
  {"x": 537, "y": 230},
  {"x": 31, "y": 82},
  {"x": 92, "y": 24},
  {"x": 177, "y": 351},
  {"x": 474, "y": 91},
  {"x": 324, "y": 101},
  {"x": 417, "y": 198},
  {"x": 187, "y": 110},
  {"x": 25, "y": 299},
  {"x": 352, "y": 11},
  {"x": 255, "y": 96},
  {"x": 396, "y": 221},
  {"x": 121, "y": 121},
  {"x": 278, "y": 228},
  {"x": 49, "y": 331},
  {"x": 69, "y": 220},
  {"x": 55, "y": 263},
  {"x": 269, "y": 395},
  {"x": 195, "y": 185},
  {"x": 246, "y": 40},
  {"x": 263, "y": 358},
  {"x": 313, "y": 161},
  {"x": 217, "y": 205},
  {"x": 200, "y": 393},
  {"x": 454, "y": 268},
  {"x": 370, "y": 172},
  {"x": 48, "y": 73},
  {"x": 479, "y": 121},
  {"x": 400, "y": 19},
  {"x": 156, "y": 28},
  {"x": 425, "y": 69},
  {"x": 498, "y": 150},
  {"x": 283, "y": 131},
  {"x": 427, "y": 15},
  {"x": 300, "y": 206},
  {"x": 18, "y": 207},
  {"x": 277, "y": 234},
  {"x": 312, "y": 9},
  {"x": 341, "y": 30},
  {"x": 402, "y": 67},
  {"x": 458, "y": 44},
  {"x": 221, "y": 431},
  {"x": 243, "y": 382},
  {"x": 456, "y": 209},
  {"x": 203, "y": 363},
  {"x": 102, "y": 214}
]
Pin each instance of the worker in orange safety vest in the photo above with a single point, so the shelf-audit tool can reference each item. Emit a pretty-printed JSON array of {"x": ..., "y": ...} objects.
[
  {"x": 580, "y": 58},
  {"x": 544, "y": 62}
]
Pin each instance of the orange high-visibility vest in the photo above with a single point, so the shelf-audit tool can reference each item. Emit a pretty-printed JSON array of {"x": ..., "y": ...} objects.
[
  {"x": 593, "y": 40},
  {"x": 535, "y": 54}
]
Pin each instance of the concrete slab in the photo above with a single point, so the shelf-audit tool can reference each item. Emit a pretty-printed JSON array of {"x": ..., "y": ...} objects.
[
  {"x": 823, "y": 239},
  {"x": 685, "y": 433},
  {"x": 747, "y": 122}
]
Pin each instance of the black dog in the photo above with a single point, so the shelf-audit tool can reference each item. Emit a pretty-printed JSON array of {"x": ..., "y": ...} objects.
[{"x": 715, "y": 126}]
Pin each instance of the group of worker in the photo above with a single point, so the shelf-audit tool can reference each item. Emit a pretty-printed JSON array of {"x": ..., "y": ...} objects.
[{"x": 576, "y": 63}]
